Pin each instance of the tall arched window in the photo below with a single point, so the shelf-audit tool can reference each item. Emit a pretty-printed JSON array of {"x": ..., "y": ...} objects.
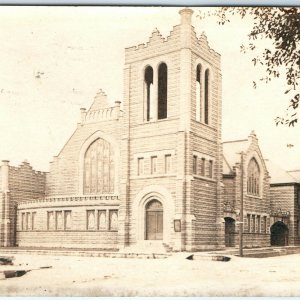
[
  {"x": 99, "y": 168},
  {"x": 253, "y": 178},
  {"x": 198, "y": 92},
  {"x": 206, "y": 96},
  {"x": 149, "y": 91},
  {"x": 162, "y": 106}
]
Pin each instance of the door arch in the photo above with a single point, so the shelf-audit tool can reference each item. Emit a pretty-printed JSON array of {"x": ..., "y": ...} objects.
[
  {"x": 279, "y": 234},
  {"x": 154, "y": 220},
  {"x": 229, "y": 232}
]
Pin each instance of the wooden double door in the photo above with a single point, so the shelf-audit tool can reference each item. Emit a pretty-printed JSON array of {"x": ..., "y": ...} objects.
[
  {"x": 154, "y": 220},
  {"x": 229, "y": 232}
]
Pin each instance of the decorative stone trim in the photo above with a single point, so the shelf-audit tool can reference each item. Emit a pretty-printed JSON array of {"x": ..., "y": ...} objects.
[{"x": 59, "y": 199}]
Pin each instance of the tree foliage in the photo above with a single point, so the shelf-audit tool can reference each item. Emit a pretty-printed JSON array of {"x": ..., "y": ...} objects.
[{"x": 281, "y": 26}]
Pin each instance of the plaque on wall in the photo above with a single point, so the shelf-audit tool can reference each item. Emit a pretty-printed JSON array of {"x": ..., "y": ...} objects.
[{"x": 177, "y": 225}]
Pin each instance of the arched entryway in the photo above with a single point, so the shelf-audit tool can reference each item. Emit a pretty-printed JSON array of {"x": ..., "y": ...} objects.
[
  {"x": 154, "y": 220},
  {"x": 279, "y": 234},
  {"x": 229, "y": 232}
]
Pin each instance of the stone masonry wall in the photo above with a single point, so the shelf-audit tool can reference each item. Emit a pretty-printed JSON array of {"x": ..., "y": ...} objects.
[
  {"x": 152, "y": 138},
  {"x": 178, "y": 133},
  {"x": 256, "y": 207},
  {"x": 205, "y": 141},
  {"x": 22, "y": 184},
  {"x": 229, "y": 193},
  {"x": 284, "y": 197},
  {"x": 35, "y": 229},
  {"x": 64, "y": 177},
  {"x": 25, "y": 183}
]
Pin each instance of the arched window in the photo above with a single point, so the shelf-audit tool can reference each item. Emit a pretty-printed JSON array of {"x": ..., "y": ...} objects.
[
  {"x": 102, "y": 220},
  {"x": 68, "y": 220},
  {"x": 113, "y": 220},
  {"x": 99, "y": 168},
  {"x": 59, "y": 220},
  {"x": 51, "y": 220},
  {"x": 206, "y": 96},
  {"x": 90, "y": 219},
  {"x": 253, "y": 178},
  {"x": 198, "y": 92},
  {"x": 162, "y": 106},
  {"x": 148, "y": 80}
]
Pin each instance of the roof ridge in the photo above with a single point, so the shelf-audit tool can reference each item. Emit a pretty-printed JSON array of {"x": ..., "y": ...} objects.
[{"x": 234, "y": 141}]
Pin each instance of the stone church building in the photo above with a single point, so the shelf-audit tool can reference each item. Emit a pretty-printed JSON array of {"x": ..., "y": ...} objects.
[{"x": 155, "y": 172}]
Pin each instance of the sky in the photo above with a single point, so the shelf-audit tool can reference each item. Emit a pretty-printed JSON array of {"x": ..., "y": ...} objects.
[{"x": 53, "y": 60}]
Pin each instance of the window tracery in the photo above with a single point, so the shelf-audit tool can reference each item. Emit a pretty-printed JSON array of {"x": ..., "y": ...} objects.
[
  {"x": 253, "y": 178},
  {"x": 99, "y": 168}
]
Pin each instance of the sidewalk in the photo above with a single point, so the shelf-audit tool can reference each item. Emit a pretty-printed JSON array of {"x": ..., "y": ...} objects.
[
  {"x": 254, "y": 252},
  {"x": 260, "y": 252}
]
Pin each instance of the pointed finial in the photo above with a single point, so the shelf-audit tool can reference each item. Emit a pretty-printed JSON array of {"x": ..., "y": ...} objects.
[{"x": 186, "y": 16}]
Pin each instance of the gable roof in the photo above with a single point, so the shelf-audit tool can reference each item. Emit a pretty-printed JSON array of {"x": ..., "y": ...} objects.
[
  {"x": 227, "y": 169},
  {"x": 295, "y": 174},
  {"x": 231, "y": 153},
  {"x": 279, "y": 175}
]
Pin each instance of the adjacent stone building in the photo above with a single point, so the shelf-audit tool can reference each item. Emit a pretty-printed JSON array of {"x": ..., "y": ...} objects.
[
  {"x": 285, "y": 206},
  {"x": 153, "y": 174},
  {"x": 246, "y": 177},
  {"x": 18, "y": 184}
]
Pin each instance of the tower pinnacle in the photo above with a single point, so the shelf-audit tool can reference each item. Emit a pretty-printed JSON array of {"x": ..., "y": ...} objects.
[{"x": 186, "y": 16}]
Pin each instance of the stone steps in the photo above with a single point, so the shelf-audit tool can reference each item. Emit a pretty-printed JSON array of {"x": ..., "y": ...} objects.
[
  {"x": 83, "y": 253},
  {"x": 264, "y": 252}
]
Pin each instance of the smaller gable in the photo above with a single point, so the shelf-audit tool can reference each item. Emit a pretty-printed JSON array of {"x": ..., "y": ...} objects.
[
  {"x": 232, "y": 152},
  {"x": 100, "y": 101}
]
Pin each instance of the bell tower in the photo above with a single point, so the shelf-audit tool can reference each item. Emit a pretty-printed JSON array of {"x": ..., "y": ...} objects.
[{"x": 171, "y": 142}]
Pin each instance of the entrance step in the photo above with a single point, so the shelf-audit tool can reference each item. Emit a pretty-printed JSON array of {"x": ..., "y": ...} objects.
[
  {"x": 263, "y": 252},
  {"x": 146, "y": 247},
  {"x": 167, "y": 247}
]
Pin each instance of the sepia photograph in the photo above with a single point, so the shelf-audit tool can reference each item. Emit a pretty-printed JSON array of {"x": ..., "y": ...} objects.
[{"x": 149, "y": 151}]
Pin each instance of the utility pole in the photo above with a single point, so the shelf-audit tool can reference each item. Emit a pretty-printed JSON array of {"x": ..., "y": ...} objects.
[{"x": 242, "y": 205}]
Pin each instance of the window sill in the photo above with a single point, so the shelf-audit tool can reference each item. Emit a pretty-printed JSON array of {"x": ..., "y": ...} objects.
[
  {"x": 100, "y": 230},
  {"x": 253, "y": 196},
  {"x": 70, "y": 230},
  {"x": 265, "y": 233},
  {"x": 158, "y": 120},
  {"x": 204, "y": 178},
  {"x": 153, "y": 176},
  {"x": 204, "y": 124}
]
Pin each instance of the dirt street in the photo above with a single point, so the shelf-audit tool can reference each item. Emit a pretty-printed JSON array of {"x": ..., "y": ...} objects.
[{"x": 174, "y": 276}]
